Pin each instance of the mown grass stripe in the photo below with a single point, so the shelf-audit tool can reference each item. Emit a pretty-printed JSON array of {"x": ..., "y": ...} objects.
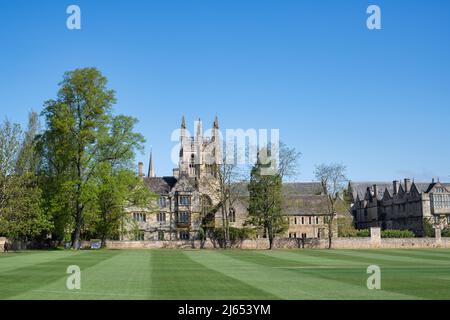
[
  {"x": 397, "y": 281},
  {"x": 317, "y": 283},
  {"x": 125, "y": 275},
  {"x": 24, "y": 279},
  {"x": 177, "y": 275}
]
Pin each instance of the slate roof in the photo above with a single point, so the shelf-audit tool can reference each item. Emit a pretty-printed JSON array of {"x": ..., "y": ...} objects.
[
  {"x": 360, "y": 188},
  {"x": 304, "y": 204},
  {"x": 161, "y": 185}
]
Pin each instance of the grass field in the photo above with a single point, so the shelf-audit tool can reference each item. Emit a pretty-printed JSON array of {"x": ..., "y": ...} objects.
[{"x": 233, "y": 274}]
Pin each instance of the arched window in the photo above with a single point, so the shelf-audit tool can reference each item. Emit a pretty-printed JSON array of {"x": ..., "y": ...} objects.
[{"x": 192, "y": 165}]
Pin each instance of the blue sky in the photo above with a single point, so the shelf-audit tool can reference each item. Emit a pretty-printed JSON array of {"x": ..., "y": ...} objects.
[{"x": 377, "y": 101}]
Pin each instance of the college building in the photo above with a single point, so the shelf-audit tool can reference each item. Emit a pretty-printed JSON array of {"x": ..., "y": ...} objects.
[
  {"x": 407, "y": 206},
  {"x": 189, "y": 196}
]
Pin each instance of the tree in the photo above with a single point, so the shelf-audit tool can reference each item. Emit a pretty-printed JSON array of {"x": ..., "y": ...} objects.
[
  {"x": 288, "y": 161},
  {"x": 226, "y": 186},
  {"x": 21, "y": 215},
  {"x": 82, "y": 134},
  {"x": 265, "y": 202},
  {"x": 28, "y": 157},
  {"x": 333, "y": 182},
  {"x": 116, "y": 189}
]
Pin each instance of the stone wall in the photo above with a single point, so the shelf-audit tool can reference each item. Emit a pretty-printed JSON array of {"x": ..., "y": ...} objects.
[
  {"x": 262, "y": 244},
  {"x": 2, "y": 244}
]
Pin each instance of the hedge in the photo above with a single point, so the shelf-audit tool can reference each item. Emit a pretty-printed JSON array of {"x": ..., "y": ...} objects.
[{"x": 397, "y": 234}]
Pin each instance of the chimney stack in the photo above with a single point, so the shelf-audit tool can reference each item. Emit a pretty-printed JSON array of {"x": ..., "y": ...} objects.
[
  {"x": 141, "y": 169},
  {"x": 396, "y": 186},
  {"x": 375, "y": 191},
  {"x": 407, "y": 185}
]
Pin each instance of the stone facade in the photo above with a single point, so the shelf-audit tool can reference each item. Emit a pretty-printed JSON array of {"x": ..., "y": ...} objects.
[
  {"x": 189, "y": 195},
  {"x": 400, "y": 207},
  {"x": 2, "y": 244}
]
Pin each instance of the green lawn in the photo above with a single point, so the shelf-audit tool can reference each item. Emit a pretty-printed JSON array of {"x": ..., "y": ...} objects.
[{"x": 232, "y": 274}]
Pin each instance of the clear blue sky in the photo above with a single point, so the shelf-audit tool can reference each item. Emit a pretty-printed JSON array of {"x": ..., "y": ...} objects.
[{"x": 377, "y": 101}]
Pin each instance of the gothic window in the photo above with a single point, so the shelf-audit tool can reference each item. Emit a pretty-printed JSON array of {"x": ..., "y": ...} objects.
[
  {"x": 184, "y": 235},
  {"x": 295, "y": 220},
  {"x": 185, "y": 200},
  {"x": 162, "y": 202},
  {"x": 161, "y": 217},
  {"x": 317, "y": 220},
  {"x": 309, "y": 220},
  {"x": 139, "y": 217},
  {"x": 183, "y": 217},
  {"x": 139, "y": 236},
  {"x": 192, "y": 165},
  {"x": 160, "y": 235}
]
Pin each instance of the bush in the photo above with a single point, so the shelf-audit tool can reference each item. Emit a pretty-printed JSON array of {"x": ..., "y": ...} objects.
[
  {"x": 397, "y": 234},
  {"x": 428, "y": 230},
  {"x": 445, "y": 232},
  {"x": 355, "y": 233},
  {"x": 236, "y": 235}
]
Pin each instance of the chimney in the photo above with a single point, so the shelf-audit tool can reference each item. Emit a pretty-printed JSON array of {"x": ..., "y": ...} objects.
[
  {"x": 141, "y": 169},
  {"x": 396, "y": 186},
  {"x": 375, "y": 191},
  {"x": 432, "y": 181},
  {"x": 407, "y": 185}
]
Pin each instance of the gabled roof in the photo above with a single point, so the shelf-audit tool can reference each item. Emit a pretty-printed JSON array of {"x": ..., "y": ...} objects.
[
  {"x": 437, "y": 184},
  {"x": 184, "y": 183},
  {"x": 387, "y": 194},
  {"x": 161, "y": 185},
  {"x": 360, "y": 188},
  {"x": 401, "y": 190}
]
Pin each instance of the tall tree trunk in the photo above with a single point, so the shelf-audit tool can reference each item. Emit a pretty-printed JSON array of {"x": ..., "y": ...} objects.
[
  {"x": 330, "y": 234},
  {"x": 78, "y": 224},
  {"x": 224, "y": 229}
]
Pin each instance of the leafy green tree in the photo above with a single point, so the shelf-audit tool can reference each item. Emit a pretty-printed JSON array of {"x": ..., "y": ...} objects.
[
  {"x": 28, "y": 157},
  {"x": 265, "y": 202},
  {"x": 81, "y": 135},
  {"x": 21, "y": 214},
  {"x": 115, "y": 191}
]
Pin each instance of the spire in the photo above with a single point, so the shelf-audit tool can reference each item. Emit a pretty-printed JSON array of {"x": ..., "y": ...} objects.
[
  {"x": 183, "y": 123},
  {"x": 216, "y": 123},
  {"x": 199, "y": 128},
  {"x": 151, "y": 171}
]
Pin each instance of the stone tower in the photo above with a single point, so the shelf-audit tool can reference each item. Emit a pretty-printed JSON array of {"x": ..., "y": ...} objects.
[{"x": 199, "y": 155}]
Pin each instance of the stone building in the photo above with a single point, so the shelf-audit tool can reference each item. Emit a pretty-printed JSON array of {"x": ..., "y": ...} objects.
[
  {"x": 400, "y": 206},
  {"x": 189, "y": 195}
]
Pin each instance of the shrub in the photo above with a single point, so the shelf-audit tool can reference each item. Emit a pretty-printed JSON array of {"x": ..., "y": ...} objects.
[
  {"x": 355, "y": 233},
  {"x": 397, "y": 234},
  {"x": 445, "y": 232},
  {"x": 236, "y": 235},
  {"x": 428, "y": 230}
]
